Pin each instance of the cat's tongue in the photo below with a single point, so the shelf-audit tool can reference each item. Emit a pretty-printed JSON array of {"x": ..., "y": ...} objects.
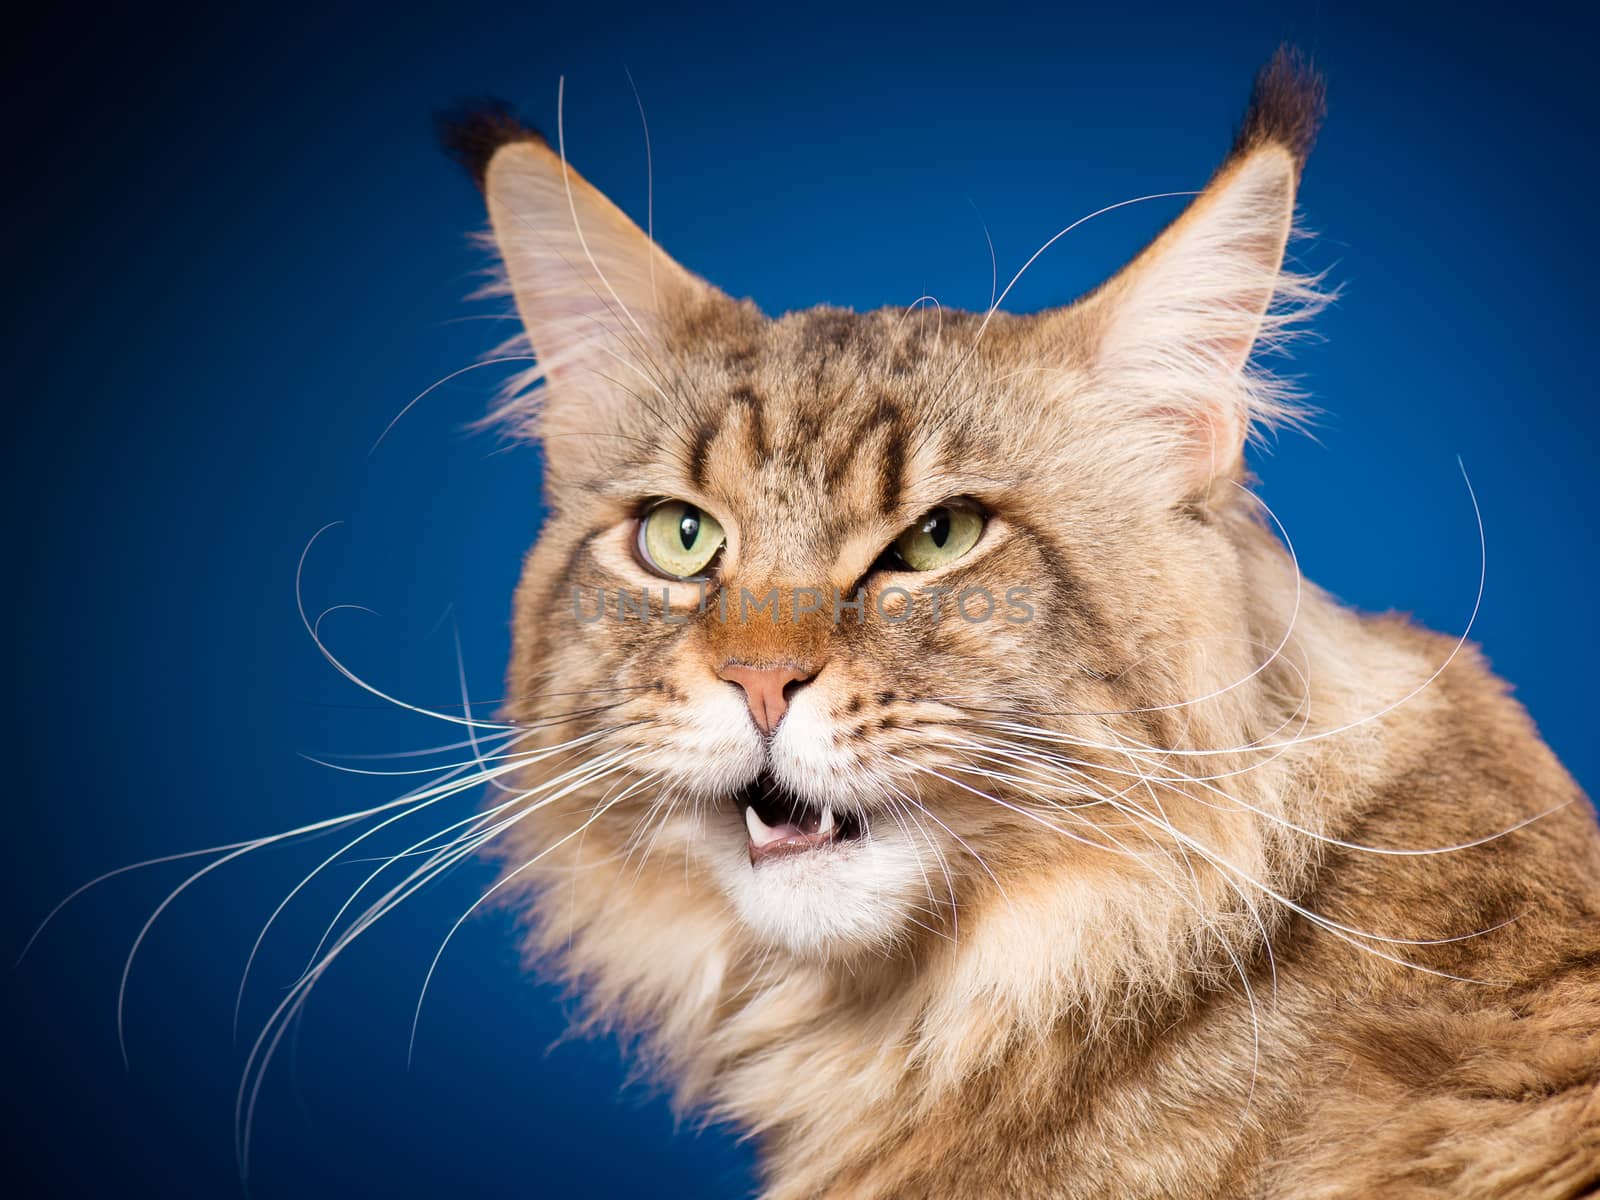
[{"x": 793, "y": 835}]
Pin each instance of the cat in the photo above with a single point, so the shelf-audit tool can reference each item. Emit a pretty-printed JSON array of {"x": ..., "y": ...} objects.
[{"x": 1184, "y": 882}]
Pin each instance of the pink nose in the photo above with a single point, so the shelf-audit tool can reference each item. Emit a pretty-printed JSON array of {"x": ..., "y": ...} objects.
[{"x": 766, "y": 690}]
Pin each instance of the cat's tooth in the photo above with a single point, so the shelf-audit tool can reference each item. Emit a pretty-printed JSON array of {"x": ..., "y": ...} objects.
[
  {"x": 825, "y": 826},
  {"x": 760, "y": 832}
]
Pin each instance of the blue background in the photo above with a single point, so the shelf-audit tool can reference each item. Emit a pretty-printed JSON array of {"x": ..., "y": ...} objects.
[{"x": 236, "y": 254}]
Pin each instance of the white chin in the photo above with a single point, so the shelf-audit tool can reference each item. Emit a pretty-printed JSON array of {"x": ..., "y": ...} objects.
[{"x": 831, "y": 901}]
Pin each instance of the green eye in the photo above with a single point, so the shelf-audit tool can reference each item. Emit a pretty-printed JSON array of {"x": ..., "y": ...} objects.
[
  {"x": 678, "y": 540},
  {"x": 941, "y": 535}
]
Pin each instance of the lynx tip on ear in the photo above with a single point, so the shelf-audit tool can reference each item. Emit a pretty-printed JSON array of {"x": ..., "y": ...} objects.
[
  {"x": 1286, "y": 108},
  {"x": 471, "y": 133}
]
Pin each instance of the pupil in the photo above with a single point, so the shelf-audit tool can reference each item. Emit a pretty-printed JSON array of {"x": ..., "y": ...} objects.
[
  {"x": 689, "y": 527},
  {"x": 938, "y": 527}
]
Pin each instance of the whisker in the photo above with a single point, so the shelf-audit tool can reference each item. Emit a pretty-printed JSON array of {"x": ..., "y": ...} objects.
[
  {"x": 312, "y": 628},
  {"x": 504, "y": 879},
  {"x": 479, "y": 816},
  {"x": 429, "y": 390},
  {"x": 272, "y": 1032},
  {"x": 426, "y": 797}
]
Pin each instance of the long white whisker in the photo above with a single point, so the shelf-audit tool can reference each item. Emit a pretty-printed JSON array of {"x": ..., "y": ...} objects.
[
  {"x": 311, "y": 628},
  {"x": 272, "y": 1032},
  {"x": 429, "y": 390},
  {"x": 425, "y": 797},
  {"x": 504, "y": 879},
  {"x": 572, "y": 206},
  {"x": 554, "y": 781}
]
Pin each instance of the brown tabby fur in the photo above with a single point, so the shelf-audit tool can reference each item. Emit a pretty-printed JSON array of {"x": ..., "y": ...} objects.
[{"x": 1082, "y": 996}]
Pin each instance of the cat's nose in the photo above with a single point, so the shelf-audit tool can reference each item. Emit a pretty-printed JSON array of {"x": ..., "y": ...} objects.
[{"x": 766, "y": 690}]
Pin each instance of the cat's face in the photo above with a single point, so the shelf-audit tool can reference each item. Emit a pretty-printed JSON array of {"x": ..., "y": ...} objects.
[
  {"x": 814, "y": 443},
  {"x": 911, "y": 598}
]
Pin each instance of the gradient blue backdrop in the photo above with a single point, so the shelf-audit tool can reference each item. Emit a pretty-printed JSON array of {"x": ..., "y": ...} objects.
[{"x": 236, "y": 254}]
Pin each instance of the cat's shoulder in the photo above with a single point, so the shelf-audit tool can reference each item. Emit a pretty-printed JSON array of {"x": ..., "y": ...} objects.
[{"x": 1495, "y": 1096}]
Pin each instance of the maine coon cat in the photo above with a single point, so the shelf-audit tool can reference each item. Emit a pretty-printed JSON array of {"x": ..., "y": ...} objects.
[{"x": 1188, "y": 882}]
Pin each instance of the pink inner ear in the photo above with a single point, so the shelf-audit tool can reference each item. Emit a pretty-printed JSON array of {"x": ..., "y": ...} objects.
[
  {"x": 591, "y": 287},
  {"x": 1247, "y": 310},
  {"x": 1184, "y": 317},
  {"x": 1219, "y": 434},
  {"x": 1213, "y": 435}
]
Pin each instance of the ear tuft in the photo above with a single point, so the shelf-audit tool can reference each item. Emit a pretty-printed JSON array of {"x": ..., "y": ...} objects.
[
  {"x": 1286, "y": 109},
  {"x": 1180, "y": 328},
  {"x": 471, "y": 133}
]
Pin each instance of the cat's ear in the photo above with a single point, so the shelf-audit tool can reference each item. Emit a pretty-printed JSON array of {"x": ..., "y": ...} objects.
[
  {"x": 593, "y": 290},
  {"x": 1172, "y": 336}
]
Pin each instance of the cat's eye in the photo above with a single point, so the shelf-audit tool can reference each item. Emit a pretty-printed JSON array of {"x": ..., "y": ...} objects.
[
  {"x": 678, "y": 540},
  {"x": 941, "y": 535}
]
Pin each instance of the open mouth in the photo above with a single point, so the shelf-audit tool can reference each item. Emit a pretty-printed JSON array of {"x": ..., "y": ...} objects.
[{"x": 781, "y": 824}]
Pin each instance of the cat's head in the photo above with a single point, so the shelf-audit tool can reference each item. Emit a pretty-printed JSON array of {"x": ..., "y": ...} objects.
[{"x": 929, "y": 599}]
